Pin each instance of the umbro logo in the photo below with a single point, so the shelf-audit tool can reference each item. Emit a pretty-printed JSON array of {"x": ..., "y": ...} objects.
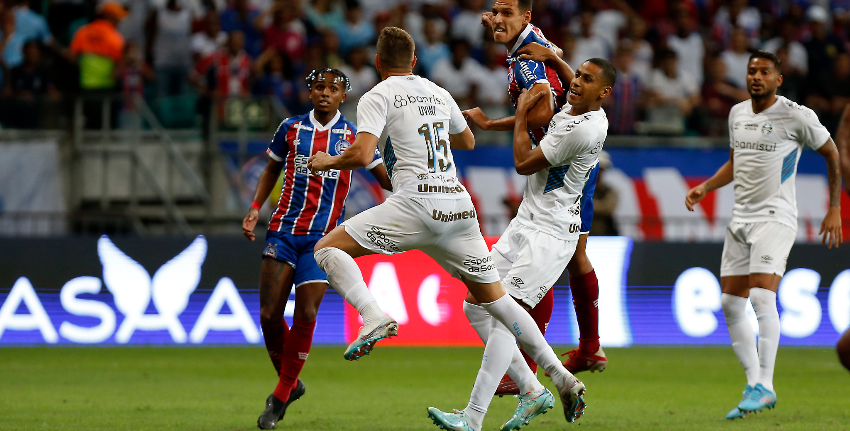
[
  {"x": 767, "y": 258},
  {"x": 518, "y": 281}
]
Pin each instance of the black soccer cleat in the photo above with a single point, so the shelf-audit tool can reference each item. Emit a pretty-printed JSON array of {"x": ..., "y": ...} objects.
[{"x": 276, "y": 409}]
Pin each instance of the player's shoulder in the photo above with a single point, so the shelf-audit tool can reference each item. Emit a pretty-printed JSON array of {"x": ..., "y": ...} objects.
[
  {"x": 739, "y": 107},
  {"x": 577, "y": 128},
  {"x": 287, "y": 123},
  {"x": 795, "y": 110}
]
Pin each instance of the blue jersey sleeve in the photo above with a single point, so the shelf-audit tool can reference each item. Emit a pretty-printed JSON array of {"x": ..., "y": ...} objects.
[
  {"x": 279, "y": 147},
  {"x": 529, "y": 72}
]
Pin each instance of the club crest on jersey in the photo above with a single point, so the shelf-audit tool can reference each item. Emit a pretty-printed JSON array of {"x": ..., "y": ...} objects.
[
  {"x": 341, "y": 145},
  {"x": 736, "y": 125},
  {"x": 766, "y": 128}
]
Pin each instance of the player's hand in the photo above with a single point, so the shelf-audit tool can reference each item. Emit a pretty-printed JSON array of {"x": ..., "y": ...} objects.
[
  {"x": 487, "y": 19},
  {"x": 319, "y": 162},
  {"x": 536, "y": 52},
  {"x": 527, "y": 101},
  {"x": 249, "y": 223},
  {"x": 477, "y": 116},
  {"x": 831, "y": 228},
  {"x": 695, "y": 195}
]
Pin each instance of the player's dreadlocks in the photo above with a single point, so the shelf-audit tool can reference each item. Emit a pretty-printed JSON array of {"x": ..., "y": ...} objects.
[{"x": 319, "y": 75}]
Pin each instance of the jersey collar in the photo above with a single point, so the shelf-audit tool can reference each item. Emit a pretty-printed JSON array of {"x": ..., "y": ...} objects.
[
  {"x": 318, "y": 126},
  {"x": 520, "y": 39}
]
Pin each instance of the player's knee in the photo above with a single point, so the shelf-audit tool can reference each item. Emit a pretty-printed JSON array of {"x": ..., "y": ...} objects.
[
  {"x": 306, "y": 312},
  {"x": 269, "y": 315}
]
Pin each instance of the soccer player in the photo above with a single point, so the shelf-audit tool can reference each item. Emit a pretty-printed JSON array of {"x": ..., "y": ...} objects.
[
  {"x": 511, "y": 24},
  {"x": 767, "y": 134},
  {"x": 541, "y": 239},
  {"x": 430, "y": 211},
  {"x": 842, "y": 138},
  {"x": 308, "y": 208}
]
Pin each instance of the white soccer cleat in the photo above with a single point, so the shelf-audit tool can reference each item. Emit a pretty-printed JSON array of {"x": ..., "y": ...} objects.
[
  {"x": 370, "y": 333},
  {"x": 572, "y": 392}
]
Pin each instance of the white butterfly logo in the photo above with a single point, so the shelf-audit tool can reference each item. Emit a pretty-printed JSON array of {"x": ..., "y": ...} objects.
[{"x": 132, "y": 288}]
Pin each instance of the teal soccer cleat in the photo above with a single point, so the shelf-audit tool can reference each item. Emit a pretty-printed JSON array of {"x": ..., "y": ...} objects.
[
  {"x": 759, "y": 399},
  {"x": 369, "y": 335},
  {"x": 736, "y": 413},
  {"x": 456, "y": 421},
  {"x": 529, "y": 407}
]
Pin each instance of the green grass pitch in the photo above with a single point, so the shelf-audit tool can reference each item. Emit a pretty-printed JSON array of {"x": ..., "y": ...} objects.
[{"x": 218, "y": 388}]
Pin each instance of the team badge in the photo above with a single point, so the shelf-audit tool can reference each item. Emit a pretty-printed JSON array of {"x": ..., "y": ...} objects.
[
  {"x": 766, "y": 128},
  {"x": 736, "y": 125},
  {"x": 271, "y": 250},
  {"x": 341, "y": 145}
]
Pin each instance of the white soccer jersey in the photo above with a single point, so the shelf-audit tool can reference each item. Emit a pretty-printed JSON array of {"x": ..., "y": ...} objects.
[
  {"x": 417, "y": 117},
  {"x": 551, "y": 202},
  {"x": 766, "y": 149}
]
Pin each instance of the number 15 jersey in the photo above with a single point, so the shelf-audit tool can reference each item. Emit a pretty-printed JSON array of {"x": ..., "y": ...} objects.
[{"x": 416, "y": 116}]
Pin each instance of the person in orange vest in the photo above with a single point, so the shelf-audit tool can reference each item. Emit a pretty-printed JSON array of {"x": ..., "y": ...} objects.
[{"x": 98, "y": 47}]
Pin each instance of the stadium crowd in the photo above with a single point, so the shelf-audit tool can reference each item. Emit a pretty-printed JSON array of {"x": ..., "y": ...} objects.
[{"x": 682, "y": 63}]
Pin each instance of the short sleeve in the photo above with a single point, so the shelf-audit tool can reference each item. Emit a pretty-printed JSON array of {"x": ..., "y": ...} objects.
[
  {"x": 377, "y": 160},
  {"x": 564, "y": 142},
  {"x": 372, "y": 113},
  {"x": 809, "y": 129},
  {"x": 457, "y": 123},
  {"x": 529, "y": 72},
  {"x": 729, "y": 121},
  {"x": 279, "y": 148}
]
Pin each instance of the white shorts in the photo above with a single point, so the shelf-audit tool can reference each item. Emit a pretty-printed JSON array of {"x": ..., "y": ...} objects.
[
  {"x": 445, "y": 229},
  {"x": 530, "y": 262},
  {"x": 752, "y": 248}
]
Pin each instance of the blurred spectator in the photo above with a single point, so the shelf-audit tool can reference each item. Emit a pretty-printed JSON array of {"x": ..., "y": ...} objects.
[
  {"x": 11, "y": 41},
  {"x": 611, "y": 17},
  {"x": 276, "y": 79},
  {"x": 31, "y": 25},
  {"x": 355, "y": 31},
  {"x": 458, "y": 74},
  {"x": 797, "y": 55},
  {"x": 823, "y": 46},
  {"x": 240, "y": 16},
  {"x": 325, "y": 15},
  {"x": 641, "y": 50},
  {"x": 628, "y": 95},
  {"x": 286, "y": 33},
  {"x": 493, "y": 96},
  {"x": 132, "y": 73},
  {"x": 793, "y": 77},
  {"x": 134, "y": 26},
  {"x": 688, "y": 45},
  {"x": 362, "y": 76},
  {"x": 587, "y": 43},
  {"x": 719, "y": 94},
  {"x": 208, "y": 41},
  {"x": 736, "y": 14},
  {"x": 433, "y": 49},
  {"x": 678, "y": 94},
  {"x": 832, "y": 94},
  {"x": 467, "y": 23},
  {"x": 605, "y": 200},
  {"x": 98, "y": 47},
  {"x": 736, "y": 59},
  {"x": 226, "y": 72},
  {"x": 28, "y": 84},
  {"x": 169, "y": 36}
]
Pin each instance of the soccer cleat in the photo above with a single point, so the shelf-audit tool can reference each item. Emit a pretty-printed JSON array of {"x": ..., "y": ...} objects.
[
  {"x": 571, "y": 390},
  {"x": 275, "y": 408},
  {"x": 736, "y": 413},
  {"x": 757, "y": 399},
  {"x": 456, "y": 421},
  {"x": 529, "y": 407},
  {"x": 369, "y": 335},
  {"x": 507, "y": 387},
  {"x": 579, "y": 361}
]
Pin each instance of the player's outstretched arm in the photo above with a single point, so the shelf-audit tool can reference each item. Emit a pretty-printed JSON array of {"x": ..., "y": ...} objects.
[
  {"x": 265, "y": 183},
  {"x": 462, "y": 141},
  {"x": 357, "y": 156},
  {"x": 842, "y": 139},
  {"x": 831, "y": 226},
  {"x": 527, "y": 160},
  {"x": 537, "y": 52},
  {"x": 380, "y": 174},
  {"x": 723, "y": 176},
  {"x": 538, "y": 116}
]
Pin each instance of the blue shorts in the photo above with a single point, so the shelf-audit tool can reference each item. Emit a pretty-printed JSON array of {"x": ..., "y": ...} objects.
[
  {"x": 587, "y": 200},
  {"x": 297, "y": 251}
]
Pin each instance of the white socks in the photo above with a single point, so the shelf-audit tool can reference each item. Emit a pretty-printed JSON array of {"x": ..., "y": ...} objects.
[
  {"x": 764, "y": 303},
  {"x": 345, "y": 277},
  {"x": 741, "y": 333},
  {"x": 496, "y": 360}
]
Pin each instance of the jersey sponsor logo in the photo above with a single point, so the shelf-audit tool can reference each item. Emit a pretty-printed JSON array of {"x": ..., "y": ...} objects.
[
  {"x": 428, "y": 110},
  {"x": 575, "y": 227},
  {"x": 751, "y": 126},
  {"x": 380, "y": 239},
  {"x": 341, "y": 145},
  {"x": 759, "y": 146},
  {"x": 425, "y": 188},
  {"x": 303, "y": 127},
  {"x": 451, "y": 216},
  {"x": 400, "y": 100},
  {"x": 766, "y": 128},
  {"x": 596, "y": 149},
  {"x": 527, "y": 72},
  {"x": 479, "y": 264},
  {"x": 301, "y": 168},
  {"x": 345, "y": 132}
]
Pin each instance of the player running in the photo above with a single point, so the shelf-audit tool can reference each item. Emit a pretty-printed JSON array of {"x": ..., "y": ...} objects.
[
  {"x": 542, "y": 71},
  {"x": 541, "y": 239},
  {"x": 308, "y": 208},
  {"x": 430, "y": 211},
  {"x": 767, "y": 134}
]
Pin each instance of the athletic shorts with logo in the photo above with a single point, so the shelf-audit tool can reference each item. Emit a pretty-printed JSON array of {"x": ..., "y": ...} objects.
[
  {"x": 530, "y": 262},
  {"x": 447, "y": 230},
  {"x": 297, "y": 252},
  {"x": 760, "y": 247}
]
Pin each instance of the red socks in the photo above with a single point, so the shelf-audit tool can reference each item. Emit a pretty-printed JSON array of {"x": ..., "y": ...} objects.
[
  {"x": 541, "y": 314},
  {"x": 295, "y": 352},
  {"x": 274, "y": 335},
  {"x": 585, "y": 289}
]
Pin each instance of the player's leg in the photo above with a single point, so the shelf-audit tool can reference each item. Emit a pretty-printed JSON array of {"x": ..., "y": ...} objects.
[
  {"x": 843, "y": 349},
  {"x": 584, "y": 287},
  {"x": 276, "y": 277}
]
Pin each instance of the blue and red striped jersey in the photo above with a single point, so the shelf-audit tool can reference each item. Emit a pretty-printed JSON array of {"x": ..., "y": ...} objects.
[
  {"x": 523, "y": 74},
  {"x": 311, "y": 204}
]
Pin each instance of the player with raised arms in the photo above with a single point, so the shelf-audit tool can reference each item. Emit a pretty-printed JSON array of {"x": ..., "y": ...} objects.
[
  {"x": 767, "y": 134},
  {"x": 535, "y": 65},
  {"x": 541, "y": 239},
  {"x": 430, "y": 211},
  {"x": 308, "y": 208}
]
